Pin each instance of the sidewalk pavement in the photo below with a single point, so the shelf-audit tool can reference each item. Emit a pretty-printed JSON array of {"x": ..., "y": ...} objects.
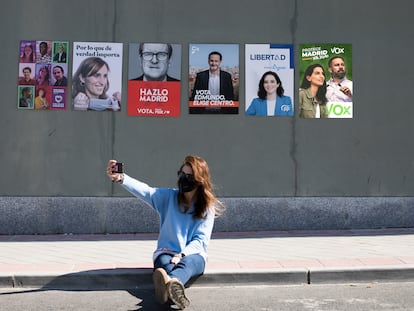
[{"x": 119, "y": 261}]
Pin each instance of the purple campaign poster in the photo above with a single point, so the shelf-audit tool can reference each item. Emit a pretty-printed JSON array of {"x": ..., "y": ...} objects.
[{"x": 43, "y": 73}]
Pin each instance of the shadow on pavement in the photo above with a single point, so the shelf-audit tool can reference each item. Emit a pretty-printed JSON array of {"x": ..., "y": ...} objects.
[{"x": 137, "y": 282}]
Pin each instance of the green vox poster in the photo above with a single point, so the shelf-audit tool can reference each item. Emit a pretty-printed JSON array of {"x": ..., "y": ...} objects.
[{"x": 325, "y": 81}]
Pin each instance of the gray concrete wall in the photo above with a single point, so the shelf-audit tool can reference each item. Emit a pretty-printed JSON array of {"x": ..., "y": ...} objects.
[
  {"x": 102, "y": 215},
  {"x": 64, "y": 153}
]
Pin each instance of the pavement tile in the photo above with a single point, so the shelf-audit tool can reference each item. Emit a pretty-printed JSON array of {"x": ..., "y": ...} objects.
[
  {"x": 406, "y": 259},
  {"x": 222, "y": 265},
  {"x": 134, "y": 265},
  {"x": 381, "y": 261},
  {"x": 242, "y": 252},
  {"x": 269, "y": 264},
  {"x": 86, "y": 267},
  {"x": 38, "y": 268},
  {"x": 300, "y": 263},
  {"x": 341, "y": 262}
]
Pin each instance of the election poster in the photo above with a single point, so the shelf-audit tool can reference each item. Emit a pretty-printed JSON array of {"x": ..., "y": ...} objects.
[
  {"x": 154, "y": 74},
  {"x": 269, "y": 80},
  {"x": 213, "y": 79},
  {"x": 97, "y": 76},
  {"x": 42, "y": 82},
  {"x": 325, "y": 81}
]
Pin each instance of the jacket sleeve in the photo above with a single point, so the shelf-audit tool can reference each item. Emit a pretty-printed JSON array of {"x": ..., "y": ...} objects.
[
  {"x": 302, "y": 98},
  {"x": 197, "y": 85},
  {"x": 142, "y": 191},
  {"x": 227, "y": 84},
  {"x": 201, "y": 237},
  {"x": 251, "y": 110},
  {"x": 289, "y": 102}
]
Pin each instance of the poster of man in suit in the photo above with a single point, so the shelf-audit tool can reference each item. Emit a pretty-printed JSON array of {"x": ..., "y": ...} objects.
[
  {"x": 213, "y": 79},
  {"x": 154, "y": 79}
]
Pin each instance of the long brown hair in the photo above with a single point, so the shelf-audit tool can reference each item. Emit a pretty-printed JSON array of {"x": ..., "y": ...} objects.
[
  {"x": 204, "y": 197},
  {"x": 321, "y": 93},
  {"x": 88, "y": 67}
]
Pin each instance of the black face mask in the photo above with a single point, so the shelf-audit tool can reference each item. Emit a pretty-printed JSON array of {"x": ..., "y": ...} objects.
[{"x": 186, "y": 182}]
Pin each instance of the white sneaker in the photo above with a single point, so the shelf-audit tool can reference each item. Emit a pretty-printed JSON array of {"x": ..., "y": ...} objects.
[{"x": 176, "y": 292}]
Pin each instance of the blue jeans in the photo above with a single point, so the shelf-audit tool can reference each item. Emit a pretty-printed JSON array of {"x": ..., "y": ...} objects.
[{"x": 188, "y": 267}]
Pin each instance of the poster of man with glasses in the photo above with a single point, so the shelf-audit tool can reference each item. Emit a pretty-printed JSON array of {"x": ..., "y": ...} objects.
[{"x": 154, "y": 79}]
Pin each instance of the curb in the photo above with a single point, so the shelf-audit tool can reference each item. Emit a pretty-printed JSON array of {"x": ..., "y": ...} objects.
[
  {"x": 370, "y": 274},
  {"x": 118, "y": 279},
  {"x": 93, "y": 279}
]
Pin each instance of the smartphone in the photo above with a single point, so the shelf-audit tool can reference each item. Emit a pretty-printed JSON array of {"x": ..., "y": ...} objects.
[{"x": 118, "y": 168}]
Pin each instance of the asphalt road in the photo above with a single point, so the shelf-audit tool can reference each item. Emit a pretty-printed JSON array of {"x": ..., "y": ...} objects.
[{"x": 339, "y": 297}]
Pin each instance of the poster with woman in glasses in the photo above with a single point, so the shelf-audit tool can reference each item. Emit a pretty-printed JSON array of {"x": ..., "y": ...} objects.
[{"x": 154, "y": 74}]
